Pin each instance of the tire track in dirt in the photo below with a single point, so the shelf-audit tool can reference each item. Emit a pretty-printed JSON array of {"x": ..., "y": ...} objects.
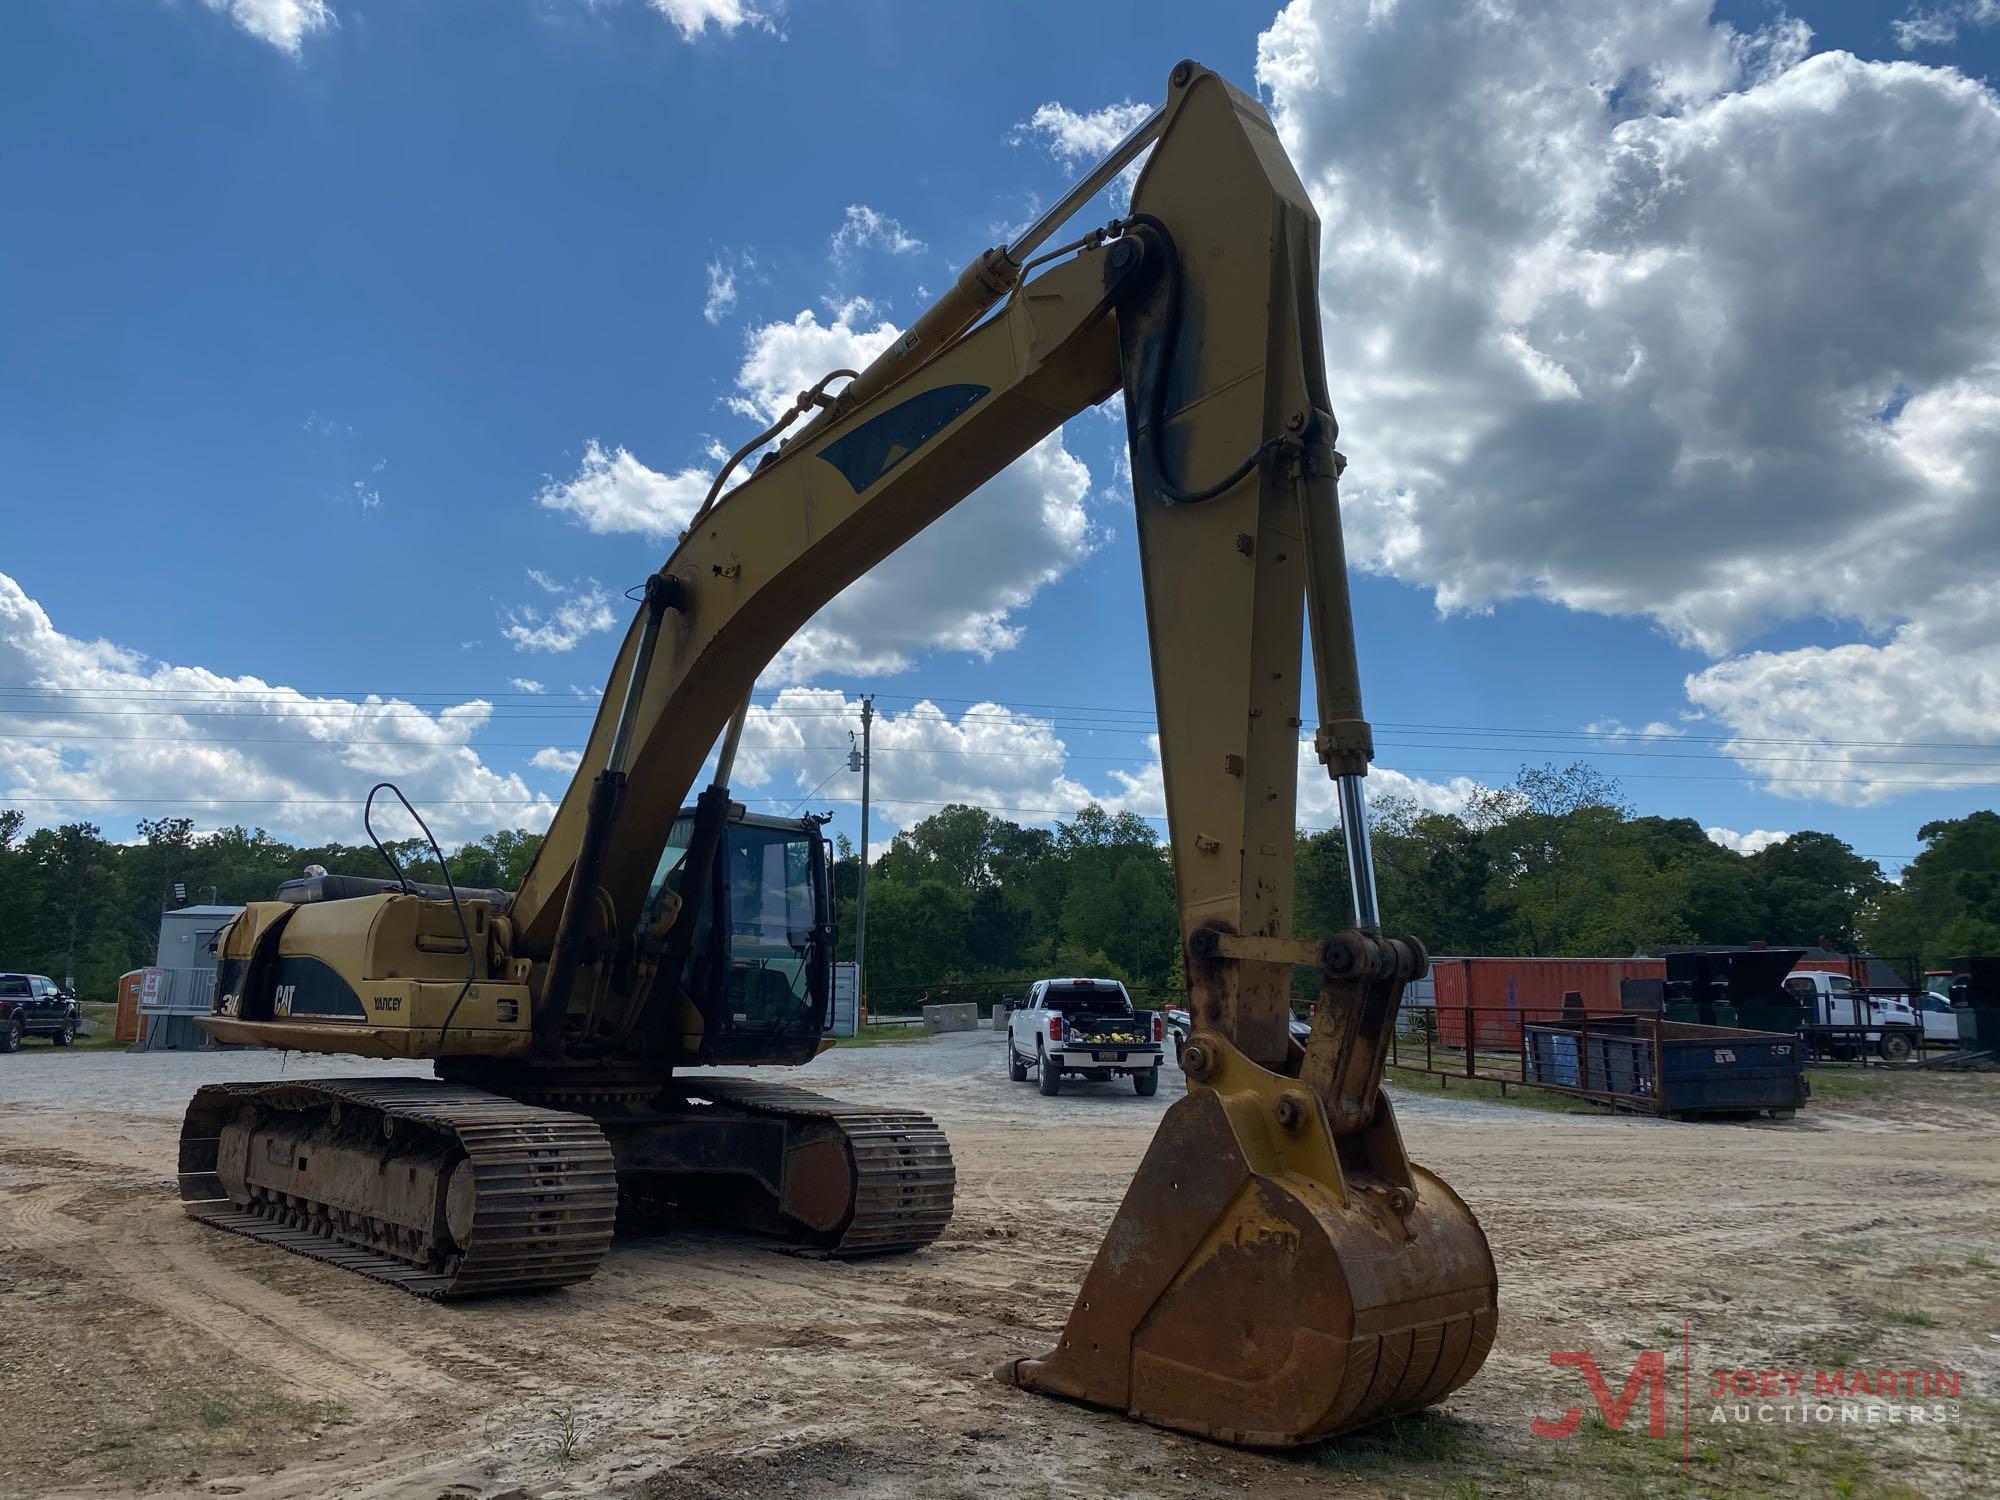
[
  {"x": 33, "y": 1217},
  {"x": 315, "y": 1358}
]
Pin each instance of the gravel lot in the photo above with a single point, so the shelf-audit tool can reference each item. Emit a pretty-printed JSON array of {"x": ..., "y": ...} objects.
[{"x": 141, "y": 1353}]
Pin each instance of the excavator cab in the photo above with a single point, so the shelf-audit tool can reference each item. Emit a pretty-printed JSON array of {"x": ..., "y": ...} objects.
[{"x": 759, "y": 974}]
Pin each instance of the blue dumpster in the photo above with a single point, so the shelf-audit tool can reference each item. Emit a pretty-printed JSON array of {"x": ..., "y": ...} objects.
[{"x": 1675, "y": 1068}]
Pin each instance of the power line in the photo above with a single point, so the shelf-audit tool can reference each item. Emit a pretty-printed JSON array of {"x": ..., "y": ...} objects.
[
  {"x": 554, "y": 706},
  {"x": 1099, "y": 720},
  {"x": 1063, "y": 755},
  {"x": 537, "y": 801},
  {"x": 841, "y": 766}
]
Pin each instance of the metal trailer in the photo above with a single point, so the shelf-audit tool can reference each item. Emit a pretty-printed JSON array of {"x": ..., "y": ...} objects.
[
  {"x": 1679, "y": 1069},
  {"x": 1638, "y": 1062}
]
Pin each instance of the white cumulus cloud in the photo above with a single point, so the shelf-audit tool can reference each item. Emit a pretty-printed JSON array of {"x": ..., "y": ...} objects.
[
  {"x": 612, "y": 492},
  {"x": 693, "y": 17},
  {"x": 720, "y": 300},
  {"x": 549, "y": 758},
  {"x": 987, "y": 755},
  {"x": 285, "y": 24},
  {"x": 97, "y": 731},
  {"x": 1144, "y": 791},
  {"x": 1614, "y": 317},
  {"x": 1081, "y": 139},
  {"x": 1617, "y": 729},
  {"x": 1939, "y": 25},
  {"x": 865, "y": 229},
  {"x": 1746, "y": 843},
  {"x": 579, "y": 610}
]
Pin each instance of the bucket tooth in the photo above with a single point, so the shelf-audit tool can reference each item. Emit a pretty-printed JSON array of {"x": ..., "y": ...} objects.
[{"x": 1267, "y": 1283}]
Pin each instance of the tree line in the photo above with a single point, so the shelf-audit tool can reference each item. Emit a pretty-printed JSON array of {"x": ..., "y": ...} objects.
[{"x": 1553, "y": 864}]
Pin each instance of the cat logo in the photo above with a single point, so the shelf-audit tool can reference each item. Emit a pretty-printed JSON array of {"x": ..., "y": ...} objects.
[{"x": 284, "y": 1003}]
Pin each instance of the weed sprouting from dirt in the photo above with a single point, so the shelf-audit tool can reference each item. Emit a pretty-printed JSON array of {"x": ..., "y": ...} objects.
[{"x": 563, "y": 1444}]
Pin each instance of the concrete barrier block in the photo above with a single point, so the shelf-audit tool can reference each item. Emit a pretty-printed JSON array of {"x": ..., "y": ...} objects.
[{"x": 939, "y": 1018}]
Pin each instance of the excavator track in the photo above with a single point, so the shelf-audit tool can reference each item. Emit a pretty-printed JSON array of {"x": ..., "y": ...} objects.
[
  {"x": 903, "y": 1177},
  {"x": 442, "y": 1190}
]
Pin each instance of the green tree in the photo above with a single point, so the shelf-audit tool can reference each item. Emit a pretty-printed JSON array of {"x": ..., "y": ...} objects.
[
  {"x": 1948, "y": 902},
  {"x": 956, "y": 844},
  {"x": 1817, "y": 889},
  {"x": 77, "y": 929}
]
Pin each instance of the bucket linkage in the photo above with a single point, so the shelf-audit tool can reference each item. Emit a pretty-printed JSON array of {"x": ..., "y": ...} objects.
[{"x": 1279, "y": 1270}]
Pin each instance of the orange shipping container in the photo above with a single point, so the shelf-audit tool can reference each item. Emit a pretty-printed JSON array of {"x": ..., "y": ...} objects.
[{"x": 1504, "y": 991}]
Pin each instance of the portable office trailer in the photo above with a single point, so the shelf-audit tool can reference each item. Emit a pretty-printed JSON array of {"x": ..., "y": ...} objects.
[{"x": 185, "y": 986}]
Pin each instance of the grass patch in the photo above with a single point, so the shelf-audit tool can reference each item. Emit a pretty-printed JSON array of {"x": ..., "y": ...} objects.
[
  {"x": 1850, "y": 1083},
  {"x": 1909, "y": 1317},
  {"x": 1750, "y": 1460},
  {"x": 1420, "y": 1438},
  {"x": 881, "y": 1036},
  {"x": 97, "y": 1041},
  {"x": 1979, "y": 1262},
  {"x": 1518, "y": 1095},
  {"x": 201, "y": 1425},
  {"x": 1839, "y": 1350}
]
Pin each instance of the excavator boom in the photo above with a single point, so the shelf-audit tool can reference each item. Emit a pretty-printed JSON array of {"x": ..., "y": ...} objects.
[{"x": 1278, "y": 1270}]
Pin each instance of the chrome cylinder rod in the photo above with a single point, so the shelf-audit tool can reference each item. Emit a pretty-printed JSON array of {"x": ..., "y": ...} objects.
[
  {"x": 725, "y": 758},
  {"x": 1122, "y": 156},
  {"x": 1360, "y": 858}
]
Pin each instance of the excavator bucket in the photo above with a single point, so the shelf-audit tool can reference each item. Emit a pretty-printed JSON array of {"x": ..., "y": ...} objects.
[{"x": 1279, "y": 1272}]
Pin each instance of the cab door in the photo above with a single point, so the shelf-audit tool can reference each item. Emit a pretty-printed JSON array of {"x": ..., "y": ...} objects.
[
  {"x": 45, "y": 1011},
  {"x": 1940, "y": 1021},
  {"x": 1802, "y": 988}
]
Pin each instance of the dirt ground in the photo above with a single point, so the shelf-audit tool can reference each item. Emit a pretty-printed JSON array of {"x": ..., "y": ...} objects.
[{"x": 142, "y": 1353}]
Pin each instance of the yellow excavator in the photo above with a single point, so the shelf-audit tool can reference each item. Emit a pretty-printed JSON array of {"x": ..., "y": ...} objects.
[{"x": 1279, "y": 1270}]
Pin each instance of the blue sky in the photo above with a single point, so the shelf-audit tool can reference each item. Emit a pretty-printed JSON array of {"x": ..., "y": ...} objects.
[{"x": 312, "y": 314}]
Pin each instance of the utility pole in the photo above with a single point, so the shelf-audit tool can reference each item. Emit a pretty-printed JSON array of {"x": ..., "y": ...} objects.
[{"x": 861, "y": 888}]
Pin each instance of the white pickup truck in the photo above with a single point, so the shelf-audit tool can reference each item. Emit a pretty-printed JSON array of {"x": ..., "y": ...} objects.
[
  {"x": 1836, "y": 1000},
  {"x": 1087, "y": 1028}
]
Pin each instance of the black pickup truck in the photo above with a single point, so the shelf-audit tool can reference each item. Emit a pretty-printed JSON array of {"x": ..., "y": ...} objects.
[{"x": 35, "y": 1005}]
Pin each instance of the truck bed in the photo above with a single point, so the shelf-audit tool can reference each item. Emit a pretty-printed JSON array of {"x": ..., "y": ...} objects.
[{"x": 1122, "y": 1031}]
